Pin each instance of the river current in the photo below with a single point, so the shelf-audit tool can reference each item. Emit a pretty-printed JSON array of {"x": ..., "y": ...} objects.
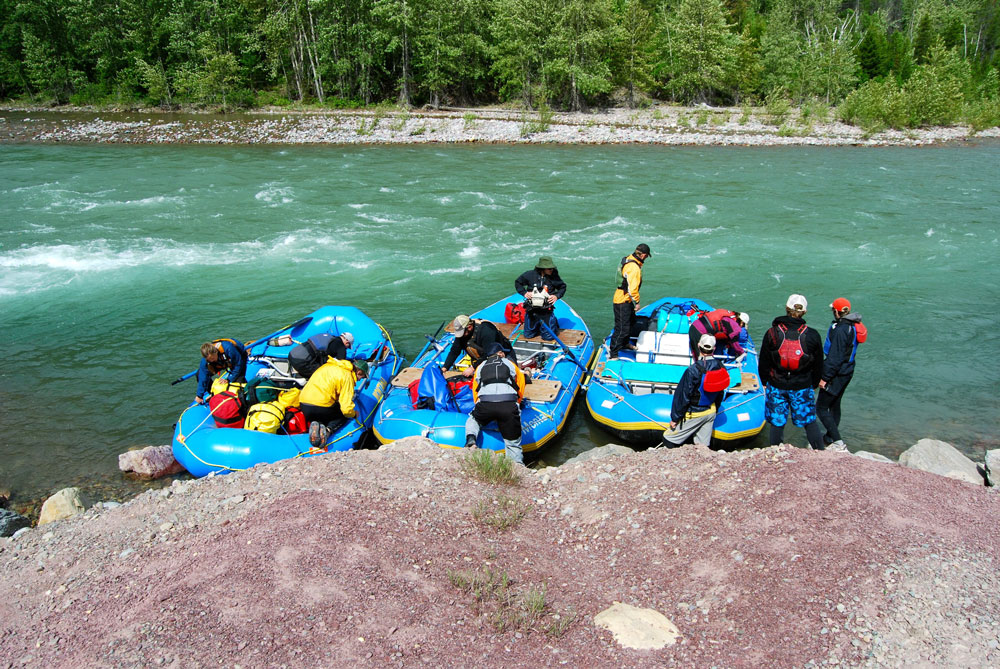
[{"x": 116, "y": 263}]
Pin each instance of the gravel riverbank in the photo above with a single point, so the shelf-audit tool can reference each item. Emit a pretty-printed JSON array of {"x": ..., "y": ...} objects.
[
  {"x": 777, "y": 557},
  {"x": 659, "y": 125}
]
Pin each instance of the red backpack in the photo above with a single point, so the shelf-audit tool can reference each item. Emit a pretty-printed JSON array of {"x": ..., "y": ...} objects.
[
  {"x": 227, "y": 409},
  {"x": 790, "y": 353},
  {"x": 295, "y": 421},
  {"x": 514, "y": 313}
]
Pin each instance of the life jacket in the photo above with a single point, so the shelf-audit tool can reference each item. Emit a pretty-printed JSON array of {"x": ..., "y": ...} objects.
[
  {"x": 495, "y": 370},
  {"x": 227, "y": 409},
  {"x": 622, "y": 282},
  {"x": 224, "y": 362},
  {"x": 295, "y": 421},
  {"x": 310, "y": 355},
  {"x": 789, "y": 354},
  {"x": 514, "y": 313}
]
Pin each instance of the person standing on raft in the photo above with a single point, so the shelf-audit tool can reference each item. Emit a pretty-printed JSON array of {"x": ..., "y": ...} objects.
[
  {"x": 541, "y": 288},
  {"x": 626, "y": 298},
  {"x": 219, "y": 355}
]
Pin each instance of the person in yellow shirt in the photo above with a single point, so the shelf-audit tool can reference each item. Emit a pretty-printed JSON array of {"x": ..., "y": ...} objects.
[
  {"x": 328, "y": 397},
  {"x": 626, "y": 299}
]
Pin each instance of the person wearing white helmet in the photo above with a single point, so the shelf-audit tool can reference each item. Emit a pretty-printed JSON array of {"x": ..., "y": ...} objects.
[
  {"x": 790, "y": 364},
  {"x": 697, "y": 397}
]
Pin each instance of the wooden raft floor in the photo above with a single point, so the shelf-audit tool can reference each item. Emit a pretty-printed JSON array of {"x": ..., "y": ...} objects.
[
  {"x": 539, "y": 390},
  {"x": 571, "y": 338}
]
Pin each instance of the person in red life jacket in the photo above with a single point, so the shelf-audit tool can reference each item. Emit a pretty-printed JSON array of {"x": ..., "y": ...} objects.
[
  {"x": 790, "y": 365},
  {"x": 227, "y": 355},
  {"x": 697, "y": 397},
  {"x": 841, "y": 347},
  {"x": 541, "y": 288},
  {"x": 475, "y": 338},
  {"x": 625, "y": 301},
  {"x": 497, "y": 389},
  {"x": 725, "y": 326}
]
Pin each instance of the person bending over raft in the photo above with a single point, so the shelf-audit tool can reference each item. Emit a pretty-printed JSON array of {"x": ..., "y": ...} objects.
[
  {"x": 327, "y": 399},
  {"x": 537, "y": 285},
  {"x": 697, "y": 397},
  {"x": 475, "y": 338},
  {"x": 497, "y": 388},
  {"x": 728, "y": 328},
  {"x": 216, "y": 356}
]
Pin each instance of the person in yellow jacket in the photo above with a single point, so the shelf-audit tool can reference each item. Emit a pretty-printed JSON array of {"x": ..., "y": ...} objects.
[
  {"x": 497, "y": 388},
  {"x": 626, "y": 299},
  {"x": 328, "y": 397}
]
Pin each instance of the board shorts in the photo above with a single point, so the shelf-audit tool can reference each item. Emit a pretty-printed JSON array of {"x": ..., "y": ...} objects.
[{"x": 778, "y": 403}]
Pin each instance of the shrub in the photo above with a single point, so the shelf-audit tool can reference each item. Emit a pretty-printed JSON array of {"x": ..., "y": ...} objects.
[
  {"x": 488, "y": 466},
  {"x": 500, "y": 512},
  {"x": 778, "y": 108}
]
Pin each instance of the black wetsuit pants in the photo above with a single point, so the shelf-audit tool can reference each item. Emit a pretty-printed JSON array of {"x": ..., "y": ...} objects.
[{"x": 624, "y": 320}]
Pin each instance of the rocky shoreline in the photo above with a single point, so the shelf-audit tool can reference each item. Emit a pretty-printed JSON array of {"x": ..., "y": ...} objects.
[
  {"x": 657, "y": 125},
  {"x": 777, "y": 556}
]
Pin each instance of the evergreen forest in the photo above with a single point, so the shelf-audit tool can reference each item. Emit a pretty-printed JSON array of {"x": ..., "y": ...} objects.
[{"x": 895, "y": 63}]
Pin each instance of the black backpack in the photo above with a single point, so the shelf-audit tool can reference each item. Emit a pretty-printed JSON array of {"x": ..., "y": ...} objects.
[{"x": 310, "y": 355}]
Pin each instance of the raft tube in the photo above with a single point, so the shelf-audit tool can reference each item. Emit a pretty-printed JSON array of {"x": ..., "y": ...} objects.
[
  {"x": 631, "y": 397},
  {"x": 541, "y": 420},
  {"x": 202, "y": 448}
]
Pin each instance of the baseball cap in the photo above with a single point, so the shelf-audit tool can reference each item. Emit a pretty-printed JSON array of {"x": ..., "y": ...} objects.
[
  {"x": 706, "y": 343},
  {"x": 459, "y": 324},
  {"x": 797, "y": 302},
  {"x": 493, "y": 349},
  {"x": 348, "y": 339},
  {"x": 643, "y": 248},
  {"x": 840, "y": 304}
]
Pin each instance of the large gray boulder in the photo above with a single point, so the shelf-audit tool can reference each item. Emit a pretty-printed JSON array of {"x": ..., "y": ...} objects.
[
  {"x": 938, "y": 457},
  {"x": 599, "y": 453},
  {"x": 66, "y": 503},
  {"x": 151, "y": 462},
  {"x": 993, "y": 467},
  {"x": 11, "y": 522}
]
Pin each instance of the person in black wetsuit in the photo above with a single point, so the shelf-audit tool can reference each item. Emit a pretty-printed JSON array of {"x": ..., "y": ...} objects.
[
  {"x": 475, "y": 338},
  {"x": 543, "y": 278},
  {"x": 841, "y": 347}
]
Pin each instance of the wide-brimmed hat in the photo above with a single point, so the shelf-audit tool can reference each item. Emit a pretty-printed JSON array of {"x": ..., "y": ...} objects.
[
  {"x": 545, "y": 262},
  {"x": 361, "y": 366}
]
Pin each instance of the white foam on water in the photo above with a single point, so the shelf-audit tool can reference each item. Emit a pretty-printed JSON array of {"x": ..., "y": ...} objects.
[
  {"x": 700, "y": 209},
  {"x": 469, "y": 252},
  {"x": 445, "y": 199},
  {"x": 449, "y": 270},
  {"x": 358, "y": 206},
  {"x": 777, "y": 278},
  {"x": 929, "y": 233},
  {"x": 386, "y": 189},
  {"x": 702, "y": 231},
  {"x": 481, "y": 196},
  {"x": 23, "y": 189},
  {"x": 357, "y": 264},
  {"x": 275, "y": 194}
]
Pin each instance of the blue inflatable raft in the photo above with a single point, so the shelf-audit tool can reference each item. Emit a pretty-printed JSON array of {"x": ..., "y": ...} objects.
[
  {"x": 204, "y": 448},
  {"x": 549, "y": 397},
  {"x": 631, "y": 396}
]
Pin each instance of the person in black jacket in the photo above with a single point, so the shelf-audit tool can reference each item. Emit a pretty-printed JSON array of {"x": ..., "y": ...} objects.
[
  {"x": 475, "y": 338},
  {"x": 697, "y": 397},
  {"x": 791, "y": 364},
  {"x": 544, "y": 278},
  {"x": 841, "y": 347}
]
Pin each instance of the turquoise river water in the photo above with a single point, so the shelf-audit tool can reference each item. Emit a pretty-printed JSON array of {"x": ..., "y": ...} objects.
[{"x": 116, "y": 263}]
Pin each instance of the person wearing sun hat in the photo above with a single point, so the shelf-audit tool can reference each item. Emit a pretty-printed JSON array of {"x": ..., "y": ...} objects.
[
  {"x": 790, "y": 365},
  {"x": 542, "y": 282},
  {"x": 841, "y": 347},
  {"x": 697, "y": 397}
]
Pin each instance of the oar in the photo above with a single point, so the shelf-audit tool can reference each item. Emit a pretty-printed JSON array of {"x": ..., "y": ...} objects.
[
  {"x": 431, "y": 339},
  {"x": 249, "y": 344},
  {"x": 564, "y": 346}
]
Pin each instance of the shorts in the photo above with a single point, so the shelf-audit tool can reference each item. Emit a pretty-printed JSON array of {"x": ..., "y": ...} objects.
[{"x": 777, "y": 404}]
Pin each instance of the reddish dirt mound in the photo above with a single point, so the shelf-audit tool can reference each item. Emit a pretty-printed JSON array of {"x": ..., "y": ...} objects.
[{"x": 775, "y": 557}]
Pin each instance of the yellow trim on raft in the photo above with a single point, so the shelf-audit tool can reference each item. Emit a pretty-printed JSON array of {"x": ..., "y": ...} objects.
[{"x": 649, "y": 425}]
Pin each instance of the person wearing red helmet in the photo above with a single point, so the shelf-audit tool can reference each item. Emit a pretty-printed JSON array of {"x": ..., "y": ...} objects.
[
  {"x": 697, "y": 397},
  {"x": 840, "y": 349}
]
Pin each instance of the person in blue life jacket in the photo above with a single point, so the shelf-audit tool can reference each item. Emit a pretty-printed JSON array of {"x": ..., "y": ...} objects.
[
  {"x": 227, "y": 355},
  {"x": 542, "y": 288},
  {"x": 841, "y": 348},
  {"x": 790, "y": 365},
  {"x": 497, "y": 389},
  {"x": 475, "y": 338},
  {"x": 697, "y": 397}
]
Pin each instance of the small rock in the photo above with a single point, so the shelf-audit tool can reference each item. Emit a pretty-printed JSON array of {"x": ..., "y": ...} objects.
[
  {"x": 151, "y": 462},
  {"x": 11, "y": 523}
]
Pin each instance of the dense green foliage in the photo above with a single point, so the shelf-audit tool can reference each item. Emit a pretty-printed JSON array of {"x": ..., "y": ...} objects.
[{"x": 899, "y": 63}]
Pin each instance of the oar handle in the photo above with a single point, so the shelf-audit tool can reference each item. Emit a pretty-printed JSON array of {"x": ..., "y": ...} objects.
[{"x": 563, "y": 346}]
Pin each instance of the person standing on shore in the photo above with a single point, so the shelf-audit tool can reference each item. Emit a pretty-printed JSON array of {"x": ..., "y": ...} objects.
[
  {"x": 216, "y": 356},
  {"x": 791, "y": 365},
  {"x": 697, "y": 397},
  {"x": 541, "y": 284},
  {"x": 626, "y": 298},
  {"x": 841, "y": 347},
  {"x": 497, "y": 388}
]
